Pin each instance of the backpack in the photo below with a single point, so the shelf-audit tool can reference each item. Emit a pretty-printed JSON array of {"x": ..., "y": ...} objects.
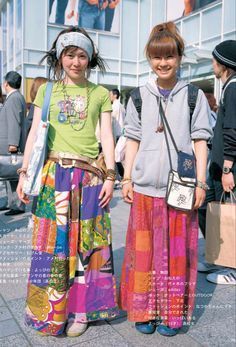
[{"x": 192, "y": 99}]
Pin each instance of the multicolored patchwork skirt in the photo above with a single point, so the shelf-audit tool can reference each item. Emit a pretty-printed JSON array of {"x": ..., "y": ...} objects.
[
  {"x": 71, "y": 276},
  {"x": 160, "y": 266}
]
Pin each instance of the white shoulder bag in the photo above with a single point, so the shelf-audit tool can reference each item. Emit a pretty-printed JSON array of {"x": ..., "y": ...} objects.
[{"x": 32, "y": 181}]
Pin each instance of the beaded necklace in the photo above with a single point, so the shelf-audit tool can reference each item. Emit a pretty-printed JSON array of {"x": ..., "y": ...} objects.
[{"x": 74, "y": 111}]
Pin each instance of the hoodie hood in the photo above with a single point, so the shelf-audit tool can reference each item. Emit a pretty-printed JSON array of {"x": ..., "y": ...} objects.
[{"x": 152, "y": 87}]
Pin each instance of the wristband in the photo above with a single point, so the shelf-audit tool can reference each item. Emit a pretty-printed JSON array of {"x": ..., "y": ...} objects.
[{"x": 108, "y": 178}]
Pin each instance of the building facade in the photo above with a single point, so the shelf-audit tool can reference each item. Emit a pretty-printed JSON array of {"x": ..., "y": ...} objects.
[{"x": 27, "y": 32}]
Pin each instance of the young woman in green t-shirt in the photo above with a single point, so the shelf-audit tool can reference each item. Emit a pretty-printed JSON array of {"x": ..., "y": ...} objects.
[{"x": 71, "y": 277}]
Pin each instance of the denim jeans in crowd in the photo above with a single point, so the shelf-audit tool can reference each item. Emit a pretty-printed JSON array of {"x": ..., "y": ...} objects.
[
  {"x": 60, "y": 11},
  {"x": 91, "y": 17}
]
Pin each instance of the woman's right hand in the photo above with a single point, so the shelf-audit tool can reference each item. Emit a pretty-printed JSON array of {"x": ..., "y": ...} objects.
[
  {"x": 22, "y": 196},
  {"x": 128, "y": 192}
]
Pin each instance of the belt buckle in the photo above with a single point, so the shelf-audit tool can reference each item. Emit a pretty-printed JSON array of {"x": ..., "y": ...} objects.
[{"x": 66, "y": 166}]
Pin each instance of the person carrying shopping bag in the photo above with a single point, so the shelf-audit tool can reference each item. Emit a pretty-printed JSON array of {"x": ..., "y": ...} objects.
[
  {"x": 159, "y": 272},
  {"x": 71, "y": 277},
  {"x": 223, "y": 158}
]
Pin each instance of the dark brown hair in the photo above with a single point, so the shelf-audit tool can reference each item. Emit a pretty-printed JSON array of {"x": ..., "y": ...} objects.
[
  {"x": 164, "y": 40},
  {"x": 55, "y": 65},
  {"x": 211, "y": 101},
  {"x": 35, "y": 86}
]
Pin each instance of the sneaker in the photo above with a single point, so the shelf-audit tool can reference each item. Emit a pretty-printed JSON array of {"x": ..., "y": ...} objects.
[
  {"x": 205, "y": 267},
  {"x": 164, "y": 330},
  {"x": 226, "y": 276},
  {"x": 75, "y": 329},
  {"x": 146, "y": 327}
]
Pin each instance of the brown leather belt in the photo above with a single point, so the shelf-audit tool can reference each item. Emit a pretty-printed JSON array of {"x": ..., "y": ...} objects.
[{"x": 68, "y": 160}]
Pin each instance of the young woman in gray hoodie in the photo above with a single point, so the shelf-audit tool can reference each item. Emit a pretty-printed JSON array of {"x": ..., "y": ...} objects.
[{"x": 160, "y": 265}]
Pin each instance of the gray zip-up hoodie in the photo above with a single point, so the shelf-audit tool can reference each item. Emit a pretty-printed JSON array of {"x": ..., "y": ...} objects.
[{"x": 151, "y": 165}]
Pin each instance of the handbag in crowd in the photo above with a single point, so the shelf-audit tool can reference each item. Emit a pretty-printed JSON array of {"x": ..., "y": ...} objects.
[
  {"x": 32, "y": 181},
  {"x": 181, "y": 186},
  {"x": 221, "y": 232},
  {"x": 9, "y": 164}
]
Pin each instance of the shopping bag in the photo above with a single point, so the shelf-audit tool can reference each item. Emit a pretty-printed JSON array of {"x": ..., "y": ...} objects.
[
  {"x": 32, "y": 181},
  {"x": 221, "y": 233}
]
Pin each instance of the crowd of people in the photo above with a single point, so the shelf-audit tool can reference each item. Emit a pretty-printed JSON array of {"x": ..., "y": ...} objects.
[
  {"x": 89, "y": 14},
  {"x": 71, "y": 281}
]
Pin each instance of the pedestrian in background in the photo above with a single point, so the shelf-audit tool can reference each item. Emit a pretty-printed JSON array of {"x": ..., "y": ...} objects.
[
  {"x": 118, "y": 117},
  {"x": 71, "y": 220},
  {"x": 92, "y": 14},
  {"x": 223, "y": 158},
  {"x": 202, "y": 210},
  {"x": 12, "y": 118},
  {"x": 37, "y": 82},
  {"x": 159, "y": 272},
  {"x": 109, "y": 13},
  {"x": 60, "y": 11}
]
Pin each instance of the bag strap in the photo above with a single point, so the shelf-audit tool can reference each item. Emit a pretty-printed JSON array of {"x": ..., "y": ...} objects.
[
  {"x": 232, "y": 80},
  {"x": 232, "y": 197},
  {"x": 167, "y": 129},
  {"x": 47, "y": 97},
  {"x": 137, "y": 100},
  {"x": 167, "y": 126},
  {"x": 192, "y": 99}
]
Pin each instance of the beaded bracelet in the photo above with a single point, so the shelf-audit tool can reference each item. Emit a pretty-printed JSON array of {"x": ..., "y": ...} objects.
[
  {"x": 108, "y": 178},
  {"x": 21, "y": 170},
  {"x": 202, "y": 185},
  {"x": 111, "y": 175},
  {"x": 125, "y": 181},
  {"x": 111, "y": 172},
  {"x": 111, "y": 178}
]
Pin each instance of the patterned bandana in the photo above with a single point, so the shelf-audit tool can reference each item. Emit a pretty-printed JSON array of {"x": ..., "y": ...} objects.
[{"x": 74, "y": 39}]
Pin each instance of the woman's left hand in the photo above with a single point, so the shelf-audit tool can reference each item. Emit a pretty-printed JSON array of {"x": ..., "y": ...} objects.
[
  {"x": 200, "y": 197},
  {"x": 106, "y": 193}
]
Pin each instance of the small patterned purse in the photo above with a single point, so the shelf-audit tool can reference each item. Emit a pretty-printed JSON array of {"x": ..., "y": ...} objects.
[
  {"x": 180, "y": 192},
  {"x": 181, "y": 186}
]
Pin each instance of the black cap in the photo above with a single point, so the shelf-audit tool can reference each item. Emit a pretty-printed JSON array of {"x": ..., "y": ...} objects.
[{"x": 225, "y": 53}]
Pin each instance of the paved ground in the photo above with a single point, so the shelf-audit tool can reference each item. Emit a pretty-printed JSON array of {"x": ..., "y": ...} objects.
[{"x": 214, "y": 314}]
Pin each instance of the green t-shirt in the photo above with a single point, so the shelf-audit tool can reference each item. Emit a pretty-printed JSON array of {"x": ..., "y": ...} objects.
[{"x": 69, "y": 111}]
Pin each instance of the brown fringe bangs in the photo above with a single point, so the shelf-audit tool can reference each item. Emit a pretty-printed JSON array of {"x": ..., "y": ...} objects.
[{"x": 162, "y": 47}]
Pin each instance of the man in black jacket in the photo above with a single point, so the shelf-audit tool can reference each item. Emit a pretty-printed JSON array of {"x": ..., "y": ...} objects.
[
  {"x": 223, "y": 160},
  {"x": 11, "y": 135}
]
